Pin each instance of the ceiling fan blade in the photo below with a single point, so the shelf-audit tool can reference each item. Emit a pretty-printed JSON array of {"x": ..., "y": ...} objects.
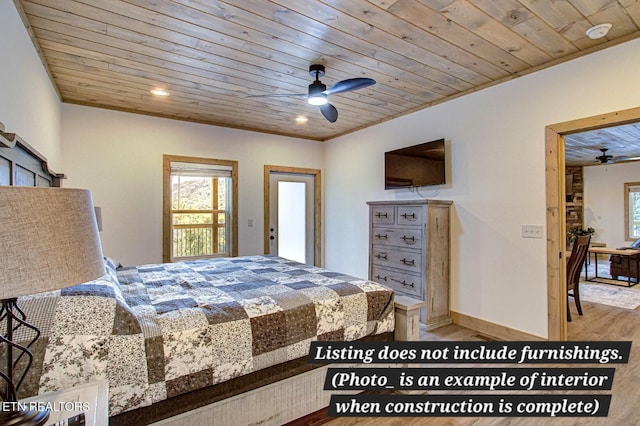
[
  {"x": 330, "y": 112},
  {"x": 624, "y": 159},
  {"x": 349, "y": 85},
  {"x": 276, "y": 95}
]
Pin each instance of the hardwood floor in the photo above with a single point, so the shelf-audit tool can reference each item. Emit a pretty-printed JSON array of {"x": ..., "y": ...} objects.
[{"x": 599, "y": 322}]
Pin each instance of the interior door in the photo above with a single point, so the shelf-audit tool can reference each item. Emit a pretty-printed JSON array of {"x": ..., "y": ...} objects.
[{"x": 291, "y": 216}]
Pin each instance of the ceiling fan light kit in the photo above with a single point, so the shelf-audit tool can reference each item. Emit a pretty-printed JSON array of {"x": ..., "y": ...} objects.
[
  {"x": 317, "y": 95},
  {"x": 318, "y": 100}
]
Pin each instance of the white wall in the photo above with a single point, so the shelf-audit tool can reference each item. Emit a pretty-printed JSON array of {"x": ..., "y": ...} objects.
[
  {"x": 29, "y": 105},
  {"x": 604, "y": 200},
  {"x": 496, "y": 139},
  {"x": 118, "y": 156}
]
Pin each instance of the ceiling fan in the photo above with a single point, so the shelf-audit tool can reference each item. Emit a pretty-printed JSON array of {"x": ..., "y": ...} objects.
[
  {"x": 318, "y": 93},
  {"x": 604, "y": 158}
]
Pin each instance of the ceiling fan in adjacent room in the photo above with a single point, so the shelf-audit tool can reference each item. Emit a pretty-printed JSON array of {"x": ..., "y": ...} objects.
[
  {"x": 605, "y": 158},
  {"x": 318, "y": 93}
]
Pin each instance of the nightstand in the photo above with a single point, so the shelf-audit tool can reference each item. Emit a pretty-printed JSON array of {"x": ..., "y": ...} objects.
[{"x": 92, "y": 399}]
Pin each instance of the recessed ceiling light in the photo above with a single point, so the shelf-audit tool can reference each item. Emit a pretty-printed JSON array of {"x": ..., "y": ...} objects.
[
  {"x": 301, "y": 119},
  {"x": 598, "y": 31},
  {"x": 159, "y": 92}
]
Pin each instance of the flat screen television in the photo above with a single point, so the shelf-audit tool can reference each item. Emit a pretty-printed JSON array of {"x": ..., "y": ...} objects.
[{"x": 418, "y": 165}]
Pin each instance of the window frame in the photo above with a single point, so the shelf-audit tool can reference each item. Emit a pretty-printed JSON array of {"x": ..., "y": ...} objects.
[
  {"x": 166, "y": 199},
  {"x": 627, "y": 190}
]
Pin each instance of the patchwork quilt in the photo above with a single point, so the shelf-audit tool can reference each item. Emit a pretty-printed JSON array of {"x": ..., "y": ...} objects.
[{"x": 157, "y": 331}]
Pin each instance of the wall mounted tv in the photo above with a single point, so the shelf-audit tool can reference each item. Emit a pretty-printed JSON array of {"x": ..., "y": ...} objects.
[{"x": 418, "y": 165}]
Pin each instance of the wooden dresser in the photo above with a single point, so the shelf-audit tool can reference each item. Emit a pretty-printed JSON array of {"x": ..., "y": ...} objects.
[{"x": 409, "y": 253}]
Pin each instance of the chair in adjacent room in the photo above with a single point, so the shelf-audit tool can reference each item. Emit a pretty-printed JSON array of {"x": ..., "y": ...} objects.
[{"x": 574, "y": 267}]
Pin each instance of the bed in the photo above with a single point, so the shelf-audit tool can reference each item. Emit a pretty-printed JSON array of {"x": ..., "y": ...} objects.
[
  {"x": 170, "y": 337},
  {"x": 184, "y": 341}
]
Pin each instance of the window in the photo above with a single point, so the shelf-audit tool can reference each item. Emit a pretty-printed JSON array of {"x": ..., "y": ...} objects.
[
  {"x": 200, "y": 208},
  {"x": 632, "y": 210}
]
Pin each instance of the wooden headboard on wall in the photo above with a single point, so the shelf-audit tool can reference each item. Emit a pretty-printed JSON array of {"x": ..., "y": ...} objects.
[{"x": 22, "y": 165}]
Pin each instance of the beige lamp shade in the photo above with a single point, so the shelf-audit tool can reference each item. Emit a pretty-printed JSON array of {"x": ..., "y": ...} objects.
[{"x": 48, "y": 240}]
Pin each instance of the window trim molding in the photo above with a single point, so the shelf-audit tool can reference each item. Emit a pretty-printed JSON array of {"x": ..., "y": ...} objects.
[
  {"x": 627, "y": 187},
  {"x": 166, "y": 199}
]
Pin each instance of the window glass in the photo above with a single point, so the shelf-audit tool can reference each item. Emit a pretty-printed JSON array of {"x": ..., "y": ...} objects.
[
  {"x": 199, "y": 215},
  {"x": 632, "y": 210}
]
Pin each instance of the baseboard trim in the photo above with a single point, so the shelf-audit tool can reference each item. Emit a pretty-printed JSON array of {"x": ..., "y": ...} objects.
[{"x": 491, "y": 329}]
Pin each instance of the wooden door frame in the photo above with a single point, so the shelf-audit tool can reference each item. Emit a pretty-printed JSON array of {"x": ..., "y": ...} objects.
[
  {"x": 556, "y": 210},
  {"x": 317, "y": 201}
]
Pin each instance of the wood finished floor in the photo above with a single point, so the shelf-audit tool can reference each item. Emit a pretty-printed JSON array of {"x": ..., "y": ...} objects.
[{"x": 599, "y": 322}]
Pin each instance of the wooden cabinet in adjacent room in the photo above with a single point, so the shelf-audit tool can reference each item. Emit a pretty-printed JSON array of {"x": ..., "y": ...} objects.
[{"x": 409, "y": 252}]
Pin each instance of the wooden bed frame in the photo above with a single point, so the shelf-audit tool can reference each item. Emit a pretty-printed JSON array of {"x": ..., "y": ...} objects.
[
  {"x": 281, "y": 402},
  {"x": 22, "y": 165}
]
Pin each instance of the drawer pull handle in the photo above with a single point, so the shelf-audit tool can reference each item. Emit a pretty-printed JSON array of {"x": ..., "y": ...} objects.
[
  {"x": 406, "y": 284},
  {"x": 378, "y": 277},
  {"x": 408, "y": 262},
  {"x": 379, "y": 215},
  {"x": 381, "y": 256},
  {"x": 407, "y": 215},
  {"x": 405, "y": 239},
  {"x": 379, "y": 236}
]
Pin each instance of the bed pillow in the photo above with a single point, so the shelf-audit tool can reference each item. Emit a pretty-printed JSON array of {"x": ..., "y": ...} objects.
[{"x": 112, "y": 263}]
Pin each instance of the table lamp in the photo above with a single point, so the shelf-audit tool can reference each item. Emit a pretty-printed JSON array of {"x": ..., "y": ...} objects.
[{"x": 48, "y": 240}]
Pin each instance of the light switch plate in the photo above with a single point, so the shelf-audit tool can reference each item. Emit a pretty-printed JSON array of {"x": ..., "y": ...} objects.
[{"x": 532, "y": 231}]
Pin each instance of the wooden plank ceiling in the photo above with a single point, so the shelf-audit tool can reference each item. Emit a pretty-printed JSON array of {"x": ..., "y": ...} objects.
[
  {"x": 214, "y": 57},
  {"x": 622, "y": 143}
]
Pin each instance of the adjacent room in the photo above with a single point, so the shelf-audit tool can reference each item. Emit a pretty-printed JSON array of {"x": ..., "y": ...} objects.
[
  {"x": 228, "y": 194},
  {"x": 600, "y": 201}
]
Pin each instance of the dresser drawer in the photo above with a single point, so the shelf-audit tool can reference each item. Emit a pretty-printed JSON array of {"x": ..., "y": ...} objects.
[
  {"x": 402, "y": 259},
  {"x": 410, "y": 215},
  {"x": 399, "y": 237},
  {"x": 402, "y": 282},
  {"x": 383, "y": 215}
]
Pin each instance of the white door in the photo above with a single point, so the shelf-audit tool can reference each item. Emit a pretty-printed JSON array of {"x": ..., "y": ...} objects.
[{"x": 291, "y": 216}]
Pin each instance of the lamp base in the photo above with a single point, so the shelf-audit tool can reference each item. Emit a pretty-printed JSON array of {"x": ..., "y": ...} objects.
[{"x": 24, "y": 417}]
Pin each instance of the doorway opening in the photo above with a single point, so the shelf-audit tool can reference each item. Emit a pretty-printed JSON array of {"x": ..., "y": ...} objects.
[
  {"x": 292, "y": 213},
  {"x": 556, "y": 210}
]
